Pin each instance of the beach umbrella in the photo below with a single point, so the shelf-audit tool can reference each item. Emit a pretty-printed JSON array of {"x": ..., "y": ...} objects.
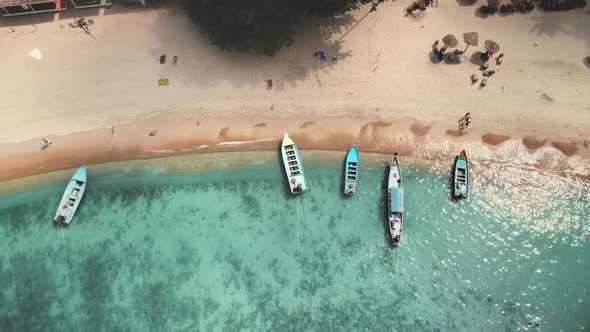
[
  {"x": 492, "y": 46},
  {"x": 450, "y": 41},
  {"x": 470, "y": 38}
]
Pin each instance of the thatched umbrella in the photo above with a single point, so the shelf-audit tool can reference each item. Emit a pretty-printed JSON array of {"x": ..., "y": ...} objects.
[
  {"x": 492, "y": 46},
  {"x": 450, "y": 41},
  {"x": 470, "y": 38}
]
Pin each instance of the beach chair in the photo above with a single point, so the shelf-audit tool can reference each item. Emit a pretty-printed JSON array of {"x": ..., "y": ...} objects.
[{"x": 322, "y": 55}]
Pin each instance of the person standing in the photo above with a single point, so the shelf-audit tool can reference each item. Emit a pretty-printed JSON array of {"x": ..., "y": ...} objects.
[{"x": 46, "y": 144}]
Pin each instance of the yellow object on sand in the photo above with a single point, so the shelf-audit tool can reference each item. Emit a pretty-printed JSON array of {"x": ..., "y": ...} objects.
[{"x": 163, "y": 82}]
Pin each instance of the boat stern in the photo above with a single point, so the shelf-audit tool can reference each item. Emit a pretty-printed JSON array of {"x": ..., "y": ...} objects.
[
  {"x": 297, "y": 184},
  {"x": 350, "y": 188}
]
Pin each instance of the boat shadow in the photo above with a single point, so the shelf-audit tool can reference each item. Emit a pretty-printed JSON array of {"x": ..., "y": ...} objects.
[{"x": 383, "y": 216}]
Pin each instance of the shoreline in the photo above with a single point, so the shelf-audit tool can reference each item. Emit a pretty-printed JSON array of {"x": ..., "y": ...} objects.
[{"x": 182, "y": 136}]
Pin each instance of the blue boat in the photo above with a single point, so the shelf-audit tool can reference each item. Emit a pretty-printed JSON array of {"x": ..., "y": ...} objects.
[
  {"x": 71, "y": 198},
  {"x": 351, "y": 173},
  {"x": 461, "y": 176},
  {"x": 395, "y": 200},
  {"x": 293, "y": 166}
]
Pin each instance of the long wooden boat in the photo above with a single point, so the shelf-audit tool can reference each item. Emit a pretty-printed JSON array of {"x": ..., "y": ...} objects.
[
  {"x": 71, "y": 198},
  {"x": 395, "y": 199},
  {"x": 351, "y": 173},
  {"x": 461, "y": 176},
  {"x": 293, "y": 166}
]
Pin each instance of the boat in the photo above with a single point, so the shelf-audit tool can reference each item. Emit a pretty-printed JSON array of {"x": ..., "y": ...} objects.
[
  {"x": 71, "y": 198},
  {"x": 293, "y": 166},
  {"x": 395, "y": 200},
  {"x": 461, "y": 176},
  {"x": 351, "y": 173}
]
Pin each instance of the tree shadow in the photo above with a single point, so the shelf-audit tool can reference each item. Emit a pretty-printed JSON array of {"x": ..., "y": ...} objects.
[
  {"x": 586, "y": 61},
  {"x": 573, "y": 23},
  {"x": 29, "y": 19},
  {"x": 349, "y": 19},
  {"x": 69, "y": 14},
  {"x": 202, "y": 64}
]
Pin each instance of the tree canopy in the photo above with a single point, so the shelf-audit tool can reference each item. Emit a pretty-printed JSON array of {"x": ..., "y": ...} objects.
[{"x": 262, "y": 26}]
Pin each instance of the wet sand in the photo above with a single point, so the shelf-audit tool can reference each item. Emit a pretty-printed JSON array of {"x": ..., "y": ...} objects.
[{"x": 180, "y": 136}]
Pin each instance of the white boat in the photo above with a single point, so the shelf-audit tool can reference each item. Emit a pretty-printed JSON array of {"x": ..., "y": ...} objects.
[
  {"x": 71, "y": 198},
  {"x": 293, "y": 166},
  {"x": 395, "y": 200},
  {"x": 461, "y": 176}
]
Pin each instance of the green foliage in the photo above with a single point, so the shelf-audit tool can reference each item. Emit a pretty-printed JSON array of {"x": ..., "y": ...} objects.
[{"x": 262, "y": 26}]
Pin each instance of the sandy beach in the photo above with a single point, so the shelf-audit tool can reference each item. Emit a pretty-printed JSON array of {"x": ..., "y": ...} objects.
[{"x": 97, "y": 97}]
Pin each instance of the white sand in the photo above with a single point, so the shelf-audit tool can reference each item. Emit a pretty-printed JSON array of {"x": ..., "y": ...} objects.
[{"x": 383, "y": 72}]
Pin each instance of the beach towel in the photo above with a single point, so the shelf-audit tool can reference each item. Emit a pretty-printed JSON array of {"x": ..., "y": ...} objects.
[
  {"x": 163, "y": 82},
  {"x": 322, "y": 55},
  {"x": 162, "y": 59},
  {"x": 36, "y": 53}
]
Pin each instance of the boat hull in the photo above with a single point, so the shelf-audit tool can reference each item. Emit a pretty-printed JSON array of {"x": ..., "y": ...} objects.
[
  {"x": 71, "y": 198},
  {"x": 395, "y": 200},
  {"x": 460, "y": 176},
  {"x": 351, "y": 171},
  {"x": 293, "y": 166}
]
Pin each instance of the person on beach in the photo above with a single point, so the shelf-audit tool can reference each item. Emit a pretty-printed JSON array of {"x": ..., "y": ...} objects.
[
  {"x": 46, "y": 144},
  {"x": 174, "y": 60},
  {"x": 373, "y": 7}
]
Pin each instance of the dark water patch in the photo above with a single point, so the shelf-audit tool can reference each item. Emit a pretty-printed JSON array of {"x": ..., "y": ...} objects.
[
  {"x": 96, "y": 276},
  {"x": 153, "y": 302},
  {"x": 251, "y": 206},
  {"x": 36, "y": 304}
]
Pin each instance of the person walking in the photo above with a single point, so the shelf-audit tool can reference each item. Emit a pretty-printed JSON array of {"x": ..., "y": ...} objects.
[
  {"x": 174, "y": 60},
  {"x": 46, "y": 144}
]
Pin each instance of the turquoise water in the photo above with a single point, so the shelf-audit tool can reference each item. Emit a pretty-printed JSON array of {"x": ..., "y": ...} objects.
[{"x": 230, "y": 250}]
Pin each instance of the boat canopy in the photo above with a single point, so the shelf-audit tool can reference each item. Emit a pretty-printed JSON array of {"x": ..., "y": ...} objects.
[{"x": 397, "y": 199}]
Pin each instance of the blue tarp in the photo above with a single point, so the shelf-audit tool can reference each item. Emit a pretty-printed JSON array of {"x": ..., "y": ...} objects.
[{"x": 397, "y": 199}]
